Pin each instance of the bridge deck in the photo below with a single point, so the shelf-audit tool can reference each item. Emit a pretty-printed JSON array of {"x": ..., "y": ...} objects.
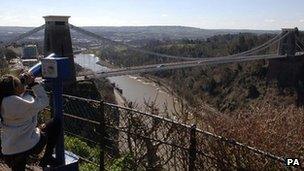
[{"x": 178, "y": 65}]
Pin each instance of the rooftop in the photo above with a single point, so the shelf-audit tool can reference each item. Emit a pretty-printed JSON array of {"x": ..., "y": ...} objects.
[{"x": 56, "y": 18}]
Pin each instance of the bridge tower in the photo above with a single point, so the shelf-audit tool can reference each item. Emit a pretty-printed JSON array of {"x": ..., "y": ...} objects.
[
  {"x": 287, "y": 46},
  {"x": 57, "y": 39},
  {"x": 286, "y": 71}
]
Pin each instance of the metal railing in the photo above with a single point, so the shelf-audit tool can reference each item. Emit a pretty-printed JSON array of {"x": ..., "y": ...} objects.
[{"x": 143, "y": 141}]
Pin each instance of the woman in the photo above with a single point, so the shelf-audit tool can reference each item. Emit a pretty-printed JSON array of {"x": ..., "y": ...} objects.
[{"x": 20, "y": 136}]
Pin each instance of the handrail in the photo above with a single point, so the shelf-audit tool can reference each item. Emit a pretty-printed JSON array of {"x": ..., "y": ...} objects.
[{"x": 206, "y": 133}]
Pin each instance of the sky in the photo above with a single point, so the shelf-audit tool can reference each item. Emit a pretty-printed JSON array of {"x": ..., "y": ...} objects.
[{"x": 208, "y": 14}]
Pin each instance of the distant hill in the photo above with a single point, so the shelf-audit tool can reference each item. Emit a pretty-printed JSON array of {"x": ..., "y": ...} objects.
[
  {"x": 133, "y": 33},
  {"x": 164, "y": 32},
  {"x": 8, "y": 32}
]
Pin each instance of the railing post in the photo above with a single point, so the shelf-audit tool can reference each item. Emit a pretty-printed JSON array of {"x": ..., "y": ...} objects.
[
  {"x": 192, "y": 148},
  {"x": 102, "y": 129}
]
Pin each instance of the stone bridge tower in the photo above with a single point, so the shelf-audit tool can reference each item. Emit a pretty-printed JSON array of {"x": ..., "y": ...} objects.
[
  {"x": 57, "y": 39},
  {"x": 289, "y": 72},
  {"x": 286, "y": 70}
]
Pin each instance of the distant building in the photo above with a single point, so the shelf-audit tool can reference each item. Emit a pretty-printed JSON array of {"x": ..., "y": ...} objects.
[{"x": 29, "y": 52}]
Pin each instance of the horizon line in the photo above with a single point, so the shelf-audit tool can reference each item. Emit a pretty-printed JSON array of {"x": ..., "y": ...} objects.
[{"x": 253, "y": 29}]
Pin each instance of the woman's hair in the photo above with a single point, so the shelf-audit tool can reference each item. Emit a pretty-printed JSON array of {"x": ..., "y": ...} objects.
[{"x": 8, "y": 85}]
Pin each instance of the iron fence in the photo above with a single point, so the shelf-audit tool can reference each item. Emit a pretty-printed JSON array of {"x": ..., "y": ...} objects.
[{"x": 141, "y": 141}]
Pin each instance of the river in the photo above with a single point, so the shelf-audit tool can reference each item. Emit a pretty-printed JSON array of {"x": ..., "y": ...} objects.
[{"x": 135, "y": 88}]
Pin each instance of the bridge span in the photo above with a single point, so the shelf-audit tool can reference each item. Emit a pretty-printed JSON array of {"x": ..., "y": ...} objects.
[{"x": 287, "y": 42}]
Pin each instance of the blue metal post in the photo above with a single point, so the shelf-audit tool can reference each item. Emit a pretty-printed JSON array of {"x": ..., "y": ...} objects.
[{"x": 58, "y": 115}]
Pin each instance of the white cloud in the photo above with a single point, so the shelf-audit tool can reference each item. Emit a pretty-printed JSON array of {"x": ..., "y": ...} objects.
[
  {"x": 164, "y": 15},
  {"x": 302, "y": 21},
  {"x": 270, "y": 20}
]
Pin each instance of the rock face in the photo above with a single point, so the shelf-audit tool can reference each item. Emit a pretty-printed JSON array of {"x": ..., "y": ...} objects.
[
  {"x": 86, "y": 89},
  {"x": 288, "y": 73},
  {"x": 97, "y": 89},
  {"x": 253, "y": 92}
]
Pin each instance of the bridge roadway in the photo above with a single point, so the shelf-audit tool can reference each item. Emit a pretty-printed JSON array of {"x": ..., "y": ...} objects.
[{"x": 185, "y": 64}]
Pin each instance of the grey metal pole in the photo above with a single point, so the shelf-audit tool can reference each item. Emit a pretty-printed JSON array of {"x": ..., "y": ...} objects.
[
  {"x": 58, "y": 116},
  {"x": 102, "y": 130},
  {"x": 192, "y": 148}
]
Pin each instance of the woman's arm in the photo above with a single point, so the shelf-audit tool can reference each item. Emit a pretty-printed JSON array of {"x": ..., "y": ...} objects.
[
  {"x": 30, "y": 106},
  {"x": 41, "y": 99}
]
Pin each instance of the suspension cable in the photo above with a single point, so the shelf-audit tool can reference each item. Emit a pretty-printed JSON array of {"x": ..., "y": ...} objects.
[
  {"x": 264, "y": 46},
  {"x": 269, "y": 43},
  {"x": 299, "y": 41},
  {"x": 249, "y": 52},
  {"x": 300, "y": 47},
  {"x": 24, "y": 35},
  {"x": 103, "y": 39}
]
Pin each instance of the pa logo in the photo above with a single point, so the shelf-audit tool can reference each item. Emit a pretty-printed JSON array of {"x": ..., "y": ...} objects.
[{"x": 292, "y": 162}]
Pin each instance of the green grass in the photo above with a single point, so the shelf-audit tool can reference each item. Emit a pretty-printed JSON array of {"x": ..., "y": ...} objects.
[{"x": 84, "y": 150}]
